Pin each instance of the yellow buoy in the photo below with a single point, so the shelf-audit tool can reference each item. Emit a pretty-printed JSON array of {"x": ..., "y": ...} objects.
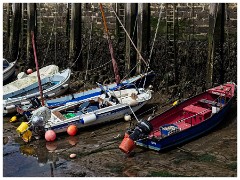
[
  {"x": 23, "y": 131},
  {"x": 175, "y": 103},
  {"x": 22, "y": 128},
  {"x": 13, "y": 119}
]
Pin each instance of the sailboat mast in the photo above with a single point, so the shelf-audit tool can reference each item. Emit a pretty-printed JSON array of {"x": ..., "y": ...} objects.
[
  {"x": 37, "y": 69},
  {"x": 115, "y": 67}
]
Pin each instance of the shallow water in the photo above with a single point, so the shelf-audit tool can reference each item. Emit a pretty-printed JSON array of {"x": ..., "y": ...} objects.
[{"x": 28, "y": 160}]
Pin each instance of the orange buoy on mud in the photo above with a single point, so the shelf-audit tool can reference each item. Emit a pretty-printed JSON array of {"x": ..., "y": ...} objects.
[
  {"x": 50, "y": 135},
  {"x": 72, "y": 130},
  {"x": 127, "y": 145},
  {"x": 29, "y": 71}
]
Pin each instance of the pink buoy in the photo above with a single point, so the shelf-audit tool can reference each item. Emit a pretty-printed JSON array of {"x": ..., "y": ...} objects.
[
  {"x": 72, "y": 130},
  {"x": 29, "y": 71},
  {"x": 50, "y": 135}
]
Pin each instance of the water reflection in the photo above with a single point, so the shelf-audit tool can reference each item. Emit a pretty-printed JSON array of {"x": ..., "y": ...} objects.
[{"x": 44, "y": 155}]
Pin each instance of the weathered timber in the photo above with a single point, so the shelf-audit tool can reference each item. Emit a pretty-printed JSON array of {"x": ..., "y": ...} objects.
[
  {"x": 15, "y": 31},
  {"x": 31, "y": 27},
  {"x": 75, "y": 36},
  {"x": 215, "y": 40},
  {"x": 130, "y": 19},
  {"x": 143, "y": 32}
]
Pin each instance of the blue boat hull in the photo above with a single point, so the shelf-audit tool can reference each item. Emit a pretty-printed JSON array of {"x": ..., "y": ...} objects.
[
  {"x": 139, "y": 81},
  {"x": 187, "y": 134}
]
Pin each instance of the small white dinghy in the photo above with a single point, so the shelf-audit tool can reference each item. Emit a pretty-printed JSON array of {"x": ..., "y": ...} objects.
[
  {"x": 53, "y": 85},
  {"x": 8, "y": 69},
  {"x": 108, "y": 107}
]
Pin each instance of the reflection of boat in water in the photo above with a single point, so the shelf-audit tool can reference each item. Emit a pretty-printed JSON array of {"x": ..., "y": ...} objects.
[{"x": 42, "y": 155}]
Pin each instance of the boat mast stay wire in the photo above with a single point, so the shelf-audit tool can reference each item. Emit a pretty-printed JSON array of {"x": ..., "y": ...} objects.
[
  {"x": 115, "y": 67},
  {"x": 155, "y": 35},
  {"x": 89, "y": 46},
  {"x": 154, "y": 39},
  {"x": 128, "y": 36}
]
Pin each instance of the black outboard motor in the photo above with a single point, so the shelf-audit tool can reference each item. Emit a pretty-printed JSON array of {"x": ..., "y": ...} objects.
[
  {"x": 35, "y": 103},
  {"x": 142, "y": 129}
]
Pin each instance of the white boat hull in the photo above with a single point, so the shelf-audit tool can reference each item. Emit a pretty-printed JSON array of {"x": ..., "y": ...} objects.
[
  {"x": 9, "y": 71},
  {"x": 9, "y": 104},
  {"x": 126, "y": 102},
  {"x": 109, "y": 115}
]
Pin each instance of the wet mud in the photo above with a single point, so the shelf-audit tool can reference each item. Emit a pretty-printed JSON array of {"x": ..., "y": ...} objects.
[{"x": 97, "y": 155}]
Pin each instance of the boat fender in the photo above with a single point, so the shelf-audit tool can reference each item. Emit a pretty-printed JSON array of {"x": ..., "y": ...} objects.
[
  {"x": 88, "y": 118},
  {"x": 64, "y": 86},
  {"x": 127, "y": 117},
  {"x": 9, "y": 107}
]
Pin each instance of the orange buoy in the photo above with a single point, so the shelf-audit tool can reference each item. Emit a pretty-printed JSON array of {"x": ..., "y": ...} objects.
[
  {"x": 50, "y": 135},
  {"x": 29, "y": 71},
  {"x": 72, "y": 130},
  {"x": 127, "y": 145}
]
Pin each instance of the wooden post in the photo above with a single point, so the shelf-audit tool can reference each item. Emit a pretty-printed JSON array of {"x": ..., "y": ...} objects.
[
  {"x": 130, "y": 19},
  {"x": 212, "y": 14},
  {"x": 221, "y": 32},
  {"x": 75, "y": 36},
  {"x": 8, "y": 24},
  {"x": 15, "y": 31},
  {"x": 31, "y": 11},
  {"x": 143, "y": 32},
  {"x": 215, "y": 39}
]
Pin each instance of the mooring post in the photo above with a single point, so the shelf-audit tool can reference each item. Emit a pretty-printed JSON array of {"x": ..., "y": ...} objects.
[
  {"x": 75, "y": 36},
  {"x": 220, "y": 38},
  {"x": 8, "y": 24},
  {"x": 130, "y": 19},
  {"x": 15, "y": 31},
  {"x": 212, "y": 16},
  {"x": 215, "y": 39},
  {"x": 31, "y": 11},
  {"x": 143, "y": 32}
]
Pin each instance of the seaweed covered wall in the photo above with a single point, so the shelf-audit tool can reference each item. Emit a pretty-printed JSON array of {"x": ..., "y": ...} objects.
[{"x": 53, "y": 23}]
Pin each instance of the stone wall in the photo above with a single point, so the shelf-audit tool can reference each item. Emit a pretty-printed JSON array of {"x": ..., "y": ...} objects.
[
  {"x": 192, "y": 17},
  {"x": 53, "y": 42}
]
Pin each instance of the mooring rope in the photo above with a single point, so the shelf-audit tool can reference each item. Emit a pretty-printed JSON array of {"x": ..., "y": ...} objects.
[{"x": 128, "y": 35}]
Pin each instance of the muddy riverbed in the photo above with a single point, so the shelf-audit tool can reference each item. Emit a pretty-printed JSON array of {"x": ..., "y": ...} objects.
[{"x": 97, "y": 153}]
